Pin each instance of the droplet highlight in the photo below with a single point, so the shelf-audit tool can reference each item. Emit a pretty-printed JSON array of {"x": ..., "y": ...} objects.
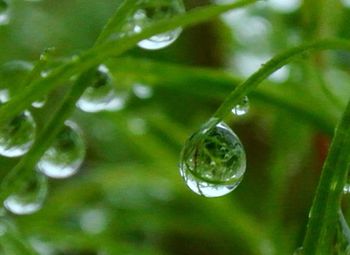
[
  {"x": 99, "y": 94},
  {"x": 213, "y": 160},
  {"x": 299, "y": 251},
  {"x": 30, "y": 198},
  {"x": 242, "y": 108},
  {"x": 66, "y": 154},
  {"x": 346, "y": 189},
  {"x": 152, "y": 12}
]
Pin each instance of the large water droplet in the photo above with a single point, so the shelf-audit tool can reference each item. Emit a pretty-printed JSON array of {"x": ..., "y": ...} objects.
[
  {"x": 213, "y": 160},
  {"x": 100, "y": 94},
  {"x": 17, "y": 136},
  {"x": 4, "y": 12},
  {"x": 150, "y": 12},
  {"x": 65, "y": 155},
  {"x": 30, "y": 198},
  {"x": 242, "y": 108}
]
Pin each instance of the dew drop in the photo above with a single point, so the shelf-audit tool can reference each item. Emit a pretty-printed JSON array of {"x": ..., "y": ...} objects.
[
  {"x": 65, "y": 155},
  {"x": 242, "y": 108},
  {"x": 100, "y": 94},
  {"x": 149, "y": 13},
  {"x": 346, "y": 189},
  {"x": 94, "y": 221},
  {"x": 30, "y": 198},
  {"x": 39, "y": 103},
  {"x": 213, "y": 160},
  {"x": 17, "y": 136},
  {"x": 4, "y": 13}
]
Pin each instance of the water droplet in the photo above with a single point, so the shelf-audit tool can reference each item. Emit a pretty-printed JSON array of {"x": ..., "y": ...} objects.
[
  {"x": 4, "y": 12},
  {"x": 242, "y": 108},
  {"x": 100, "y": 94},
  {"x": 137, "y": 126},
  {"x": 65, "y": 155},
  {"x": 299, "y": 251},
  {"x": 149, "y": 13},
  {"x": 142, "y": 91},
  {"x": 13, "y": 74},
  {"x": 93, "y": 221},
  {"x": 17, "y": 136},
  {"x": 346, "y": 3},
  {"x": 30, "y": 198},
  {"x": 346, "y": 189},
  {"x": 213, "y": 160},
  {"x": 39, "y": 103}
]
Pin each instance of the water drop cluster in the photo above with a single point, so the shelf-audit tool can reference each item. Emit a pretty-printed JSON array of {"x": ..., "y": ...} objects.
[{"x": 213, "y": 160}]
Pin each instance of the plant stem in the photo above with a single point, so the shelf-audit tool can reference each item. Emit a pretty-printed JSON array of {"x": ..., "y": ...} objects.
[
  {"x": 273, "y": 65},
  {"x": 324, "y": 211}
]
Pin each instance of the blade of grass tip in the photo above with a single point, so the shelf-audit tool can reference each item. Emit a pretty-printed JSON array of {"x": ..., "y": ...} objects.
[
  {"x": 103, "y": 51},
  {"x": 15, "y": 178},
  {"x": 324, "y": 211}
]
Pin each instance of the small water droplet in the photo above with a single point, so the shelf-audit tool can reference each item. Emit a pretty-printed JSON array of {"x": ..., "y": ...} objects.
[
  {"x": 142, "y": 91},
  {"x": 13, "y": 74},
  {"x": 299, "y": 251},
  {"x": 137, "y": 126},
  {"x": 213, "y": 161},
  {"x": 4, "y": 12},
  {"x": 65, "y": 155},
  {"x": 346, "y": 3},
  {"x": 346, "y": 189},
  {"x": 286, "y": 6},
  {"x": 149, "y": 13},
  {"x": 30, "y": 198},
  {"x": 93, "y": 221},
  {"x": 39, "y": 103},
  {"x": 100, "y": 94},
  {"x": 17, "y": 136},
  {"x": 242, "y": 108}
]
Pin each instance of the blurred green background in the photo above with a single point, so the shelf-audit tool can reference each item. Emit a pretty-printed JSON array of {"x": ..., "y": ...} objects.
[{"x": 128, "y": 198}]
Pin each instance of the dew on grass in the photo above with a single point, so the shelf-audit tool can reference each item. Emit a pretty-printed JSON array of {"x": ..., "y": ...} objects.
[
  {"x": 17, "y": 136},
  {"x": 30, "y": 198},
  {"x": 66, "y": 154},
  {"x": 213, "y": 160},
  {"x": 99, "y": 94},
  {"x": 142, "y": 91},
  {"x": 150, "y": 12},
  {"x": 242, "y": 108}
]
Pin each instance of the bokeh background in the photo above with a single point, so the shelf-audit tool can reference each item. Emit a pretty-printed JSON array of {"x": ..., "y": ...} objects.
[{"x": 128, "y": 197}]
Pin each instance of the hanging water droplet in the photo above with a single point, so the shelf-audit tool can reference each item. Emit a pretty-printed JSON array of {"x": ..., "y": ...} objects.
[
  {"x": 17, "y": 136},
  {"x": 100, "y": 94},
  {"x": 242, "y": 108},
  {"x": 213, "y": 160},
  {"x": 30, "y": 198},
  {"x": 346, "y": 189},
  {"x": 4, "y": 12},
  {"x": 151, "y": 12},
  {"x": 65, "y": 155},
  {"x": 13, "y": 74}
]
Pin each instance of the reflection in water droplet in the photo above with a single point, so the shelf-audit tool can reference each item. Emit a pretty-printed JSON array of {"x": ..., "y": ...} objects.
[
  {"x": 299, "y": 251},
  {"x": 100, "y": 94},
  {"x": 242, "y": 108},
  {"x": 213, "y": 161},
  {"x": 93, "y": 221},
  {"x": 142, "y": 91},
  {"x": 39, "y": 103},
  {"x": 17, "y": 136},
  {"x": 65, "y": 155},
  {"x": 4, "y": 12},
  {"x": 151, "y": 12},
  {"x": 30, "y": 198}
]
